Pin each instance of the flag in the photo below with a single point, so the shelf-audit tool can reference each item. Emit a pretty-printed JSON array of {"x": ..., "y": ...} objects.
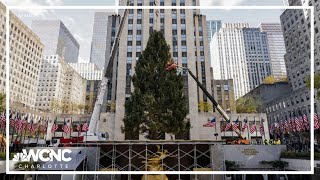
[
  {"x": 271, "y": 129},
  {"x": 25, "y": 122},
  {"x": 2, "y": 121},
  {"x": 66, "y": 127},
  {"x": 235, "y": 125},
  {"x": 210, "y": 123},
  {"x": 78, "y": 127},
  {"x": 283, "y": 128},
  {"x": 298, "y": 125},
  {"x": 286, "y": 125},
  {"x": 18, "y": 124},
  {"x": 245, "y": 126},
  {"x": 228, "y": 126},
  {"x": 12, "y": 122},
  {"x": 305, "y": 120},
  {"x": 31, "y": 127},
  {"x": 85, "y": 127},
  {"x": 261, "y": 129},
  {"x": 277, "y": 128},
  {"x": 316, "y": 121},
  {"x": 253, "y": 128},
  {"x": 293, "y": 124},
  {"x": 55, "y": 126},
  {"x": 45, "y": 126}
]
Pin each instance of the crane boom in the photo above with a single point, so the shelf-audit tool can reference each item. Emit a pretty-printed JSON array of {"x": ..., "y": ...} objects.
[
  {"x": 214, "y": 102},
  {"x": 104, "y": 81}
]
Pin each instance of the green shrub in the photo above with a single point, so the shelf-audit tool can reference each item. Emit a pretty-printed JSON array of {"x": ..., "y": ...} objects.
[
  {"x": 232, "y": 166},
  {"x": 296, "y": 155},
  {"x": 277, "y": 165}
]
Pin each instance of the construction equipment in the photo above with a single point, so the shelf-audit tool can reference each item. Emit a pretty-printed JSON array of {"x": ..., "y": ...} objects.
[
  {"x": 93, "y": 134},
  {"x": 174, "y": 66}
]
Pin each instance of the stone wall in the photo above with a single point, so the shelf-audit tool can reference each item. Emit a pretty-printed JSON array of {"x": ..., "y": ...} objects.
[{"x": 249, "y": 156}]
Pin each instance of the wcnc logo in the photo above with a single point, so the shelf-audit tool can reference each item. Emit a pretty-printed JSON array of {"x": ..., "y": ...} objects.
[{"x": 38, "y": 158}]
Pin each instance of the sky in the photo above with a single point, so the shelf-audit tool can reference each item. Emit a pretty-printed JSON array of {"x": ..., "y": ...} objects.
[{"x": 80, "y": 22}]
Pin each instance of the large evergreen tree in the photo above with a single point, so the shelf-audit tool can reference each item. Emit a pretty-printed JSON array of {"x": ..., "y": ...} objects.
[{"x": 158, "y": 104}]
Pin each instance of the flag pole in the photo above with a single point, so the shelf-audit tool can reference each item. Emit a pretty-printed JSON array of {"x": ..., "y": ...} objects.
[
  {"x": 13, "y": 129},
  {"x": 38, "y": 130},
  {"x": 71, "y": 127},
  {"x": 231, "y": 127},
  {"x": 248, "y": 127},
  {"x": 255, "y": 123},
  {"x": 79, "y": 130},
  {"x": 25, "y": 132},
  {"x": 215, "y": 130}
]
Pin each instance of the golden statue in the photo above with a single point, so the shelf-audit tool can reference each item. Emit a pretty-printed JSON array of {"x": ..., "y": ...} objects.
[{"x": 154, "y": 163}]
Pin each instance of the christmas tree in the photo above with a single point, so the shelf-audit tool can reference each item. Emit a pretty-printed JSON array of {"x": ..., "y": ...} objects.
[{"x": 158, "y": 104}]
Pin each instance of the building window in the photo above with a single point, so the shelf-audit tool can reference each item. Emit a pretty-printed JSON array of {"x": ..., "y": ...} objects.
[{"x": 174, "y": 21}]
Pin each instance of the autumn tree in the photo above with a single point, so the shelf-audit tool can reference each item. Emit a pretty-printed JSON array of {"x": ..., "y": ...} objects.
[{"x": 248, "y": 105}]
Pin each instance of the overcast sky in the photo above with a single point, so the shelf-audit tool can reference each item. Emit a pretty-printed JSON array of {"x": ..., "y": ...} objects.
[{"x": 80, "y": 22}]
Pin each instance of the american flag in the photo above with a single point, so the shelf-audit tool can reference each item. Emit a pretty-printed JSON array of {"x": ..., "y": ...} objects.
[
  {"x": 293, "y": 124},
  {"x": 12, "y": 122},
  {"x": 55, "y": 126},
  {"x": 66, "y": 127},
  {"x": 286, "y": 125},
  {"x": 253, "y": 128},
  {"x": 78, "y": 127},
  {"x": 245, "y": 126},
  {"x": 283, "y": 128},
  {"x": 228, "y": 126},
  {"x": 316, "y": 121},
  {"x": 44, "y": 127},
  {"x": 261, "y": 129},
  {"x": 235, "y": 125},
  {"x": 277, "y": 128},
  {"x": 31, "y": 127},
  {"x": 271, "y": 129},
  {"x": 298, "y": 124},
  {"x": 2, "y": 120},
  {"x": 19, "y": 124},
  {"x": 85, "y": 127},
  {"x": 210, "y": 123},
  {"x": 305, "y": 120}
]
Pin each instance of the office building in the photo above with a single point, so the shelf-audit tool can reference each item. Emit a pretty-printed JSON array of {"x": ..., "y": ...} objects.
[
  {"x": 99, "y": 39},
  {"x": 88, "y": 71},
  {"x": 296, "y": 26},
  {"x": 26, "y": 52},
  {"x": 185, "y": 32},
  {"x": 75, "y": 90},
  {"x": 60, "y": 89},
  {"x": 213, "y": 26},
  {"x": 223, "y": 93},
  {"x": 57, "y": 39},
  {"x": 240, "y": 53},
  {"x": 92, "y": 74},
  {"x": 276, "y": 47},
  {"x": 266, "y": 93}
]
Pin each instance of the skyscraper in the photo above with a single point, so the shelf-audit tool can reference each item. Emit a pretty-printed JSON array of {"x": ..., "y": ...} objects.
[
  {"x": 213, "y": 26},
  {"x": 240, "y": 53},
  {"x": 257, "y": 56},
  {"x": 296, "y": 27},
  {"x": 185, "y": 32},
  {"x": 57, "y": 39},
  {"x": 25, "y": 59},
  {"x": 99, "y": 39},
  {"x": 276, "y": 48}
]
